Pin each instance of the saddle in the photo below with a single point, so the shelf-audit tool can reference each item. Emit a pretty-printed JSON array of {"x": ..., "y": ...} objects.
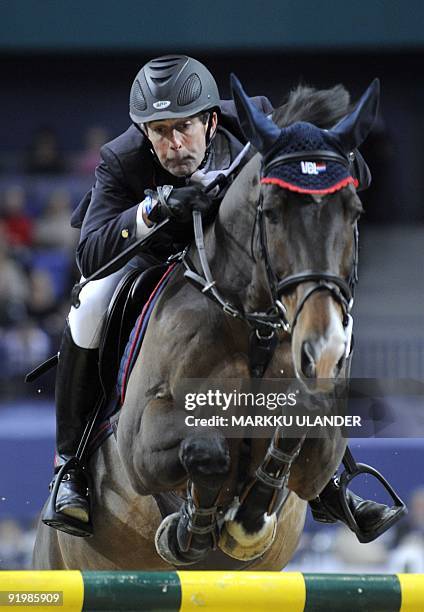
[{"x": 132, "y": 292}]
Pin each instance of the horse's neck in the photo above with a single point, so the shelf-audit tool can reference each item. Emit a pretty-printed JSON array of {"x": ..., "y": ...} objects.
[
  {"x": 228, "y": 240},
  {"x": 238, "y": 207}
]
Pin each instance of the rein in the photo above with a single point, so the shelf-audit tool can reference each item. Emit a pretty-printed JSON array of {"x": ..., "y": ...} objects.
[{"x": 207, "y": 285}]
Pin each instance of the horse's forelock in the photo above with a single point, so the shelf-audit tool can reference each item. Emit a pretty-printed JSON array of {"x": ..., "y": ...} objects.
[{"x": 321, "y": 107}]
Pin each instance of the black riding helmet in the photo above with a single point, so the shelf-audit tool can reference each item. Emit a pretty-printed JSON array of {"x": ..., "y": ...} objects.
[{"x": 170, "y": 87}]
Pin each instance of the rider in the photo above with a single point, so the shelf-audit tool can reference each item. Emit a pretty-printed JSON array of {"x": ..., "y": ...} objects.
[{"x": 182, "y": 137}]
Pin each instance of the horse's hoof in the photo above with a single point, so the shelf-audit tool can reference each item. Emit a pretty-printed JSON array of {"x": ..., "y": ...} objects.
[
  {"x": 236, "y": 543},
  {"x": 166, "y": 535}
]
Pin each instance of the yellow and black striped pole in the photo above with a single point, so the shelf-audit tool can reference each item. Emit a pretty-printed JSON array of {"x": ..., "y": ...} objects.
[{"x": 74, "y": 591}]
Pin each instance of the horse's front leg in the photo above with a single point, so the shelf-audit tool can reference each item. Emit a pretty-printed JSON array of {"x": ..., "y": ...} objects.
[
  {"x": 167, "y": 454},
  {"x": 252, "y": 531},
  {"x": 188, "y": 535}
]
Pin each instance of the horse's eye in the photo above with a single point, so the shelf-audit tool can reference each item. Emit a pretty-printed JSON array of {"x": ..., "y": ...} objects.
[{"x": 272, "y": 214}]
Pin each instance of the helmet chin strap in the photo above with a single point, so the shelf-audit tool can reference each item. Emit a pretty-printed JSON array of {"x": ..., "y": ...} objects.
[
  {"x": 209, "y": 138},
  {"x": 208, "y": 141}
]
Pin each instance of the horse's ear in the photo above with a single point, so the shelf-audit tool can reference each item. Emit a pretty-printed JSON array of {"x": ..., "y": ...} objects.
[
  {"x": 260, "y": 131},
  {"x": 352, "y": 130}
]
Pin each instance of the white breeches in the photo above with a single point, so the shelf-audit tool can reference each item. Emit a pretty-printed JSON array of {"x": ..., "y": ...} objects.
[{"x": 86, "y": 322}]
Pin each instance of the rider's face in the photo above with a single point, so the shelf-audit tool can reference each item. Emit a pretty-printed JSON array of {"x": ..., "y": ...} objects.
[{"x": 180, "y": 144}]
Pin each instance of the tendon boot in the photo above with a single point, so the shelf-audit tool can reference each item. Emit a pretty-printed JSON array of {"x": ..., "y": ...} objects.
[
  {"x": 78, "y": 389},
  {"x": 366, "y": 518}
]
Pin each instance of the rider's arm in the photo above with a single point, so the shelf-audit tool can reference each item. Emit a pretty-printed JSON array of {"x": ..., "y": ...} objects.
[
  {"x": 109, "y": 224},
  {"x": 143, "y": 223}
]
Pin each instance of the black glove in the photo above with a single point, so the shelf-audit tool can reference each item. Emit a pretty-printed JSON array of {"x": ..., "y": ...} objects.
[{"x": 178, "y": 203}]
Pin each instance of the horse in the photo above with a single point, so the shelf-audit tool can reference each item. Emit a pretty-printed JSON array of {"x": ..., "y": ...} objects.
[{"x": 279, "y": 265}]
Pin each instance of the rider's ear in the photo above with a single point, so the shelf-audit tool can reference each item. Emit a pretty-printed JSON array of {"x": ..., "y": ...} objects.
[
  {"x": 352, "y": 130},
  {"x": 260, "y": 131},
  {"x": 214, "y": 124}
]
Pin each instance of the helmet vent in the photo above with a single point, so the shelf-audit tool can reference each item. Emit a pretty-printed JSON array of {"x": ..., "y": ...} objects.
[
  {"x": 166, "y": 69},
  {"x": 161, "y": 80},
  {"x": 190, "y": 91},
  {"x": 165, "y": 61},
  {"x": 138, "y": 101}
]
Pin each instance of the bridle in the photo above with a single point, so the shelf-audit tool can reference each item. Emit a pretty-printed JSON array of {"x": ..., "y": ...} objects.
[
  {"x": 342, "y": 290},
  {"x": 266, "y": 323}
]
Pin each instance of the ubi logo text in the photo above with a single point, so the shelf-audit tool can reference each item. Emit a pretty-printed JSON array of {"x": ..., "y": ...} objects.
[{"x": 308, "y": 167}]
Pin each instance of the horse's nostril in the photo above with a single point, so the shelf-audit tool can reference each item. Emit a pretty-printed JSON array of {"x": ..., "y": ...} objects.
[{"x": 308, "y": 360}]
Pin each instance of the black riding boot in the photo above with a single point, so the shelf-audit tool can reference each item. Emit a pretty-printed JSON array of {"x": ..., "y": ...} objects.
[
  {"x": 371, "y": 518},
  {"x": 78, "y": 390}
]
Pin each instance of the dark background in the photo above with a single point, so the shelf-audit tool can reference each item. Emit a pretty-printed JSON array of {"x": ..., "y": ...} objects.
[{"x": 71, "y": 66}]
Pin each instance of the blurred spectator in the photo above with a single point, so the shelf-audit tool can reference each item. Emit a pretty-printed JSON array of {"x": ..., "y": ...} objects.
[
  {"x": 25, "y": 345},
  {"x": 414, "y": 521},
  {"x": 41, "y": 299},
  {"x": 44, "y": 155},
  {"x": 355, "y": 556},
  {"x": 54, "y": 324},
  {"x": 53, "y": 227},
  {"x": 408, "y": 551},
  {"x": 16, "y": 544},
  {"x": 57, "y": 262},
  {"x": 14, "y": 287},
  {"x": 43, "y": 307},
  {"x": 87, "y": 161},
  {"x": 16, "y": 222},
  {"x": 12, "y": 550}
]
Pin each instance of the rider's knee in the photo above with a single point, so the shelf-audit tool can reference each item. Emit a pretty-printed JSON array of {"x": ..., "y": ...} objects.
[{"x": 86, "y": 321}]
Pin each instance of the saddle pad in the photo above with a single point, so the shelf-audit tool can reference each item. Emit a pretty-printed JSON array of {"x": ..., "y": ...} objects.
[{"x": 135, "y": 341}]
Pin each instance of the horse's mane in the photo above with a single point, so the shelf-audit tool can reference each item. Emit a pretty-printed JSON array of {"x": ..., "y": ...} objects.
[{"x": 322, "y": 107}]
